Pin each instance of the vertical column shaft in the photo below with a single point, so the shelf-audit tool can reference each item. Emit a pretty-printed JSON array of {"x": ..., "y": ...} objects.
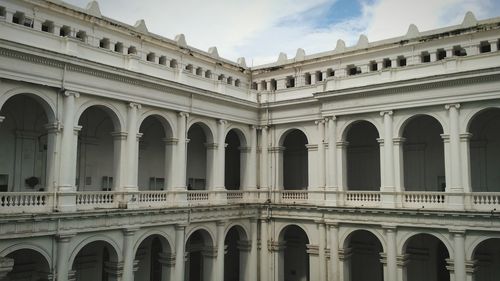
[
  {"x": 331, "y": 175},
  {"x": 179, "y": 252},
  {"x": 132, "y": 147},
  {"x": 220, "y": 251},
  {"x": 455, "y": 170},
  {"x": 128, "y": 255},
  {"x": 334, "y": 252},
  {"x": 62, "y": 266},
  {"x": 68, "y": 162},
  {"x": 321, "y": 154},
  {"x": 321, "y": 251},
  {"x": 388, "y": 151},
  {"x": 180, "y": 182},
  {"x": 264, "y": 154},
  {"x": 252, "y": 262},
  {"x": 459, "y": 258},
  {"x": 391, "y": 254},
  {"x": 252, "y": 160},
  {"x": 221, "y": 154},
  {"x": 264, "y": 252}
]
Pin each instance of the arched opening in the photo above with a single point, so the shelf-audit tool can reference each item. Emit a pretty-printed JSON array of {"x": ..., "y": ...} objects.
[
  {"x": 29, "y": 265},
  {"x": 363, "y": 157},
  {"x": 154, "y": 259},
  {"x": 362, "y": 262},
  {"x": 97, "y": 261},
  {"x": 24, "y": 141},
  {"x": 485, "y": 151},
  {"x": 236, "y": 254},
  {"x": 197, "y": 152},
  {"x": 423, "y": 155},
  {"x": 294, "y": 258},
  {"x": 295, "y": 161},
  {"x": 487, "y": 260},
  {"x": 233, "y": 161},
  {"x": 155, "y": 153},
  {"x": 426, "y": 259},
  {"x": 98, "y": 151},
  {"x": 200, "y": 257}
]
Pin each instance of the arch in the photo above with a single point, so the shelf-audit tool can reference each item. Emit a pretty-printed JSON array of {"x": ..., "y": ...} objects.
[
  {"x": 234, "y": 160},
  {"x": 344, "y": 240},
  {"x": 149, "y": 251},
  {"x": 29, "y": 262},
  {"x": 108, "y": 108},
  {"x": 149, "y": 233},
  {"x": 486, "y": 258},
  {"x": 234, "y": 258},
  {"x": 42, "y": 98},
  {"x": 285, "y": 133},
  {"x": 240, "y": 132},
  {"x": 95, "y": 238},
  {"x": 200, "y": 248},
  {"x": 402, "y": 124},
  {"x": 404, "y": 239},
  {"x": 207, "y": 234},
  {"x": 294, "y": 161},
  {"x": 363, "y": 248},
  {"x": 472, "y": 114},
  {"x": 164, "y": 119},
  {"x": 208, "y": 129},
  {"x": 423, "y": 154},
  {"x": 281, "y": 231},
  {"x": 469, "y": 251},
  {"x": 294, "y": 263},
  {"x": 28, "y": 246},
  {"x": 242, "y": 230},
  {"x": 344, "y": 130}
]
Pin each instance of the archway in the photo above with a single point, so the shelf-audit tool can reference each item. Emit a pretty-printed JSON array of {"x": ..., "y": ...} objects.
[
  {"x": 97, "y": 261},
  {"x": 423, "y": 155},
  {"x": 155, "y": 154},
  {"x": 362, "y": 261},
  {"x": 154, "y": 259},
  {"x": 294, "y": 259},
  {"x": 426, "y": 259},
  {"x": 98, "y": 151},
  {"x": 363, "y": 157},
  {"x": 29, "y": 265},
  {"x": 295, "y": 161},
  {"x": 24, "y": 141},
  {"x": 485, "y": 151},
  {"x": 233, "y": 161},
  {"x": 236, "y": 254},
  {"x": 197, "y": 173},
  {"x": 487, "y": 260},
  {"x": 200, "y": 256}
]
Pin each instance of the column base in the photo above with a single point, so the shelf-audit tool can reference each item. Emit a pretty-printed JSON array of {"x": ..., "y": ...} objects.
[
  {"x": 66, "y": 199},
  {"x": 331, "y": 197},
  {"x": 456, "y": 201},
  {"x": 130, "y": 199},
  {"x": 220, "y": 196},
  {"x": 179, "y": 197}
]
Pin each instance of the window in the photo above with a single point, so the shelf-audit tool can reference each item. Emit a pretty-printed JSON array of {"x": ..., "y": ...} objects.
[
  {"x": 173, "y": 63},
  {"x": 307, "y": 78},
  {"x": 119, "y": 47},
  {"x": 189, "y": 68},
  {"x": 107, "y": 183},
  {"x": 274, "y": 85},
  {"x": 208, "y": 74},
  {"x": 386, "y": 63},
  {"x": 221, "y": 77},
  {"x": 440, "y": 54},
  {"x": 330, "y": 72},
  {"x": 65, "y": 31},
  {"x": 199, "y": 71},
  {"x": 151, "y": 57},
  {"x": 484, "y": 47},
  {"x": 373, "y": 65},
  {"x": 230, "y": 80},
  {"x": 263, "y": 85},
  {"x": 132, "y": 50},
  {"x": 18, "y": 18},
  {"x": 319, "y": 76},
  {"x": 290, "y": 82},
  {"x": 401, "y": 61},
  {"x": 458, "y": 51},
  {"x": 156, "y": 183},
  {"x": 254, "y": 86},
  {"x": 237, "y": 82},
  {"x": 2, "y": 12},
  {"x": 353, "y": 70},
  {"x": 48, "y": 26},
  {"x": 104, "y": 43},
  {"x": 425, "y": 57},
  {"x": 163, "y": 60},
  {"x": 81, "y": 35}
]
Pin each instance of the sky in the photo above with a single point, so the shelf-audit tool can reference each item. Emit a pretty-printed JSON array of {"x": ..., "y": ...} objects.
[{"x": 260, "y": 29}]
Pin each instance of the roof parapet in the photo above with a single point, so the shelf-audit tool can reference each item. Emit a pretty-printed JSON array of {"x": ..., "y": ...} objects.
[
  {"x": 282, "y": 58},
  {"x": 140, "y": 25},
  {"x": 93, "y": 9},
  {"x": 340, "y": 46},
  {"x": 300, "y": 55},
  {"x": 213, "y": 52},
  {"x": 362, "y": 42},
  {"x": 241, "y": 62},
  {"x": 181, "y": 40},
  {"x": 469, "y": 20},
  {"x": 412, "y": 32}
]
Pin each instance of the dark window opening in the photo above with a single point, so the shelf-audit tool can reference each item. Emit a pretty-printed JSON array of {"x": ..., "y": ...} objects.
[
  {"x": 199, "y": 71},
  {"x": 290, "y": 82},
  {"x": 387, "y": 63},
  {"x": 459, "y": 51},
  {"x": 401, "y": 61},
  {"x": 254, "y": 86},
  {"x": 484, "y": 47},
  {"x": 151, "y": 57},
  {"x": 330, "y": 72},
  {"x": 307, "y": 79},
  {"x": 132, "y": 50},
  {"x": 48, "y": 26},
  {"x": 353, "y": 70},
  {"x": 425, "y": 57},
  {"x": 2, "y": 12},
  {"x": 81, "y": 35},
  {"x": 274, "y": 85},
  {"x": 65, "y": 31},
  {"x": 319, "y": 76},
  {"x": 173, "y": 63},
  {"x": 263, "y": 85},
  {"x": 230, "y": 80},
  {"x": 440, "y": 54},
  {"x": 104, "y": 43},
  {"x": 237, "y": 83},
  {"x": 189, "y": 68},
  {"x": 208, "y": 74},
  {"x": 373, "y": 66},
  {"x": 163, "y": 60}
]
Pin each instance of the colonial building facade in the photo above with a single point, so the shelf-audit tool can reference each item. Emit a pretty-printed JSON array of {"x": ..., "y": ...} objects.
[{"x": 128, "y": 156}]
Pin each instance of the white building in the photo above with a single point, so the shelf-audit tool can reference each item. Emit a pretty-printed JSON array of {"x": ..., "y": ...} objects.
[{"x": 128, "y": 156}]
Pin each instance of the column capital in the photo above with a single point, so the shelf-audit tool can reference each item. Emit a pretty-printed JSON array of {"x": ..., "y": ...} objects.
[
  {"x": 312, "y": 249},
  {"x": 71, "y": 93},
  {"x": 452, "y": 105},
  {"x": 54, "y": 127},
  {"x": 220, "y": 223},
  {"x": 457, "y": 232},
  {"x": 389, "y": 228},
  {"x": 312, "y": 147},
  {"x": 254, "y": 127},
  {"x": 64, "y": 237},
  {"x": 134, "y": 105},
  {"x": 331, "y": 118},
  {"x": 386, "y": 112},
  {"x": 119, "y": 135},
  {"x": 129, "y": 231},
  {"x": 181, "y": 226},
  {"x": 320, "y": 121},
  {"x": 183, "y": 114},
  {"x": 465, "y": 136},
  {"x": 264, "y": 127},
  {"x": 276, "y": 246},
  {"x": 342, "y": 144},
  {"x": 399, "y": 140},
  {"x": 221, "y": 122},
  {"x": 170, "y": 141}
]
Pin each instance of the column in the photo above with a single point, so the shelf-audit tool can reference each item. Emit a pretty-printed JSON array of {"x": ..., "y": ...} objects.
[
  {"x": 315, "y": 272},
  {"x": 220, "y": 251},
  {"x": 119, "y": 154},
  {"x": 63, "y": 251},
  {"x": 67, "y": 170},
  {"x": 331, "y": 163},
  {"x": 167, "y": 261},
  {"x": 321, "y": 251},
  {"x": 341, "y": 170},
  {"x": 170, "y": 163},
  {"x": 53, "y": 133},
  {"x": 179, "y": 252},
  {"x": 114, "y": 270},
  {"x": 128, "y": 254},
  {"x": 321, "y": 154},
  {"x": 345, "y": 264},
  {"x": 180, "y": 156},
  {"x": 388, "y": 185},
  {"x": 391, "y": 254},
  {"x": 212, "y": 166},
  {"x": 278, "y": 260},
  {"x": 398, "y": 165},
  {"x": 402, "y": 262},
  {"x": 252, "y": 261},
  {"x": 6, "y": 265},
  {"x": 454, "y": 158},
  {"x": 459, "y": 258},
  {"x": 244, "y": 248},
  {"x": 264, "y": 252},
  {"x": 264, "y": 182},
  {"x": 334, "y": 252},
  {"x": 132, "y": 148},
  {"x": 252, "y": 160},
  {"x": 209, "y": 264},
  {"x": 221, "y": 152}
]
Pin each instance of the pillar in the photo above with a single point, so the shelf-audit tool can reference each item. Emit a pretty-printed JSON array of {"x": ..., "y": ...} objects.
[
  {"x": 345, "y": 264},
  {"x": 53, "y": 133},
  {"x": 341, "y": 170},
  {"x": 388, "y": 185},
  {"x": 221, "y": 225},
  {"x": 6, "y": 266},
  {"x": 399, "y": 168},
  {"x": 180, "y": 174},
  {"x": 170, "y": 163},
  {"x": 67, "y": 170},
  {"x": 221, "y": 152},
  {"x": 402, "y": 262},
  {"x": 264, "y": 179},
  {"x": 334, "y": 252},
  {"x": 391, "y": 254},
  {"x": 459, "y": 258},
  {"x": 167, "y": 261},
  {"x": 252, "y": 260},
  {"x": 114, "y": 270},
  {"x": 119, "y": 155},
  {"x": 132, "y": 147},
  {"x": 251, "y": 166},
  {"x": 63, "y": 251},
  {"x": 264, "y": 251},
  {"x": 209, "y": 262},
  {"x": 128, "y": 254},
  {"x": 315, "y": 267},
  {"x": 244, "y": 248},
  {"x": 321, "y": 251},
  {"x": 321, "y": 155},
  {"x": 331, "y": 175},
  {"x": 454, "y": 158},
  {"x": 278, "y": 260},
  {"x": 179, "y": 252},
  {"x": 212, "y": 166}
]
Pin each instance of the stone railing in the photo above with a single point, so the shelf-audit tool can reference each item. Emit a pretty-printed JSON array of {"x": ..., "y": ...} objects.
[
  {"x": 424, "y": 199},
  {"x": 362, "y": 198},
  {"x": 86, "y": 200},
  {"x": 153, "y": 198},
  {"x": 484, "y": 201},
  {"x": 293, "y": 196},
  {"x": 198, "y": 196},
  {"x": 32, "y": 202},
  {"x": 235, "y": 195}
]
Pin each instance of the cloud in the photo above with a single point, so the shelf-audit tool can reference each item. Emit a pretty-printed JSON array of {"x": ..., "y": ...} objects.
[{"x": 260, "y": 29}]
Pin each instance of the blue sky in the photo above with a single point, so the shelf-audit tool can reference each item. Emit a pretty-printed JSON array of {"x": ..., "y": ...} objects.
[{"x": 260, "y": 29}]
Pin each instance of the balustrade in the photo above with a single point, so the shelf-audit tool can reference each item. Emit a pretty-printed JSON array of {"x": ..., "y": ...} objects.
[
  {"x": 15, "y": 202},
  {"x": 96, "y": 200}
]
